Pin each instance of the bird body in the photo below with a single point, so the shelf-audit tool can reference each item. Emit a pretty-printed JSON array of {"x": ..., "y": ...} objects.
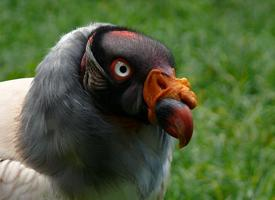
[
  {"x": 18, "y": 181},
  {"x": 79, "y": 128},
  {"x": 12, "y": 98}
]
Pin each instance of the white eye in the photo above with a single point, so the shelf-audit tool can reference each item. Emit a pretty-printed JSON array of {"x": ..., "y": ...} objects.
[{"x": 120, "y": 69}]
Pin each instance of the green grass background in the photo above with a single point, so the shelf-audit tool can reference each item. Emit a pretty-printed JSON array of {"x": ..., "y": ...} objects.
[{"x": 227, "y": 50}]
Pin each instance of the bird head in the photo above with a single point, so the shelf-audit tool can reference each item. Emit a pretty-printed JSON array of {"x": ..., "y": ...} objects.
[{"x": 130, "y": 74}]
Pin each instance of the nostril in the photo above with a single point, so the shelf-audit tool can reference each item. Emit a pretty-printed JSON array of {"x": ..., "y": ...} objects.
[{"x": 161, "y": 84}]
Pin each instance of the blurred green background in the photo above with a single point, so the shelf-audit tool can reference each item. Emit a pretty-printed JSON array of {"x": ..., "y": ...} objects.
[{"x": 226, "y": 49}]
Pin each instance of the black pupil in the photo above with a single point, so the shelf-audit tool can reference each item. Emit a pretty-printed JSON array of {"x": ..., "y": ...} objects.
[{"x": 123, "y": 69}]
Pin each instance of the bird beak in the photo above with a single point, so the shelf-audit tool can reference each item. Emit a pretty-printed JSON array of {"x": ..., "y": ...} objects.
[{"x": 169, "y": 101}]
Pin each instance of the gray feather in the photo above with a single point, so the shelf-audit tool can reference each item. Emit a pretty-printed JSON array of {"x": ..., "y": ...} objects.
[{"x": 64, "y": 136}]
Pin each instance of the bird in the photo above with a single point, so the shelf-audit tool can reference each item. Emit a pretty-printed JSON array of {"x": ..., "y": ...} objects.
[{"x": 97, "y": 121}]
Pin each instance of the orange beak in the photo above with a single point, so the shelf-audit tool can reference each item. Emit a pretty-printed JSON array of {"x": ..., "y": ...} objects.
[{"x": 166, "y": 98}]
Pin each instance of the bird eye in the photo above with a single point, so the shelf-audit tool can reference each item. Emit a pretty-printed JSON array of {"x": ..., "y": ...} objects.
[{"x": 120, "y": 69}]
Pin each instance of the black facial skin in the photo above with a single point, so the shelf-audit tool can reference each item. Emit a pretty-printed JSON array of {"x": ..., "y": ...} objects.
[{"x": 143, "y": 54}]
